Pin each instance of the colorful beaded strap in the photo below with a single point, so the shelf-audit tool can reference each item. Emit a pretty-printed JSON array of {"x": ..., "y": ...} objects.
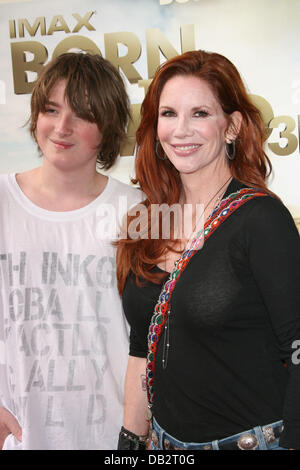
[{"x": 162, "y": 309}]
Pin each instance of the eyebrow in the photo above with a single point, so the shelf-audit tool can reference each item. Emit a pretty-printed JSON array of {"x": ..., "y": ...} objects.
[
  {"x": 194, "y": 108},
  {"x": 52, "y": 103}
]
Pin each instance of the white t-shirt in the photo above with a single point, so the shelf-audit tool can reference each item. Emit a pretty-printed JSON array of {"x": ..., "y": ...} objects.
[{"x": 63, "y": 336}]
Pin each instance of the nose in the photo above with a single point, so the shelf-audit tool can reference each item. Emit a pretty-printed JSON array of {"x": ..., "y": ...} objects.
[
  {"x": 64, "y": 125},
  {"x": 183, "y": 127}
]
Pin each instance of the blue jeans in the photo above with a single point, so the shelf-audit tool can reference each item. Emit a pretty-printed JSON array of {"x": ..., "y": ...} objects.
[{"x": 258, "y": 438}]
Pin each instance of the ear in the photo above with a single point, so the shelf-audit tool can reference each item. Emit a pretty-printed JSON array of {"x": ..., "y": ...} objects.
[{"x": 235, "y": 122}]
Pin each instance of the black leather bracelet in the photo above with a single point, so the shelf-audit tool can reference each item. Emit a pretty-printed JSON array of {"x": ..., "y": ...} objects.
[{"x": 130, "y": 441}]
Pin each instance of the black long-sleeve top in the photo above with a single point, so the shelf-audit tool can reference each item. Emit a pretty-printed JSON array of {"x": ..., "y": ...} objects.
[{"x": 235, "y": 317}]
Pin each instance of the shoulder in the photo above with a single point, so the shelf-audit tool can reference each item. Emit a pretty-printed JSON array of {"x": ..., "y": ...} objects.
[
  {"x": 254, "y": 202},
  {"x": 267, "y": 208},
  {"x": 258, "y": 205},
  {"x": 268, "y": 217}
]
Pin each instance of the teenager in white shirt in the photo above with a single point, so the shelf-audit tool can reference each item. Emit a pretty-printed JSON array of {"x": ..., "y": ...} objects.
[{"x": 62, "y": 329}]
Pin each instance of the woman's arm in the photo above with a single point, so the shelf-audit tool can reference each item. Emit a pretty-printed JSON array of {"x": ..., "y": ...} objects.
[
  {"x": 135, "y": 403},
  {"x": 134, "y": 432},
  {"x": 274, "y": 253}
]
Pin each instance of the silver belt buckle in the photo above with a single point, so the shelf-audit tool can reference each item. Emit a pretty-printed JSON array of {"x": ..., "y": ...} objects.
[
  {"x": 154, "y": 438},
  {"x": 269, "y": 435},
  {"x": 247, "y": 442}
]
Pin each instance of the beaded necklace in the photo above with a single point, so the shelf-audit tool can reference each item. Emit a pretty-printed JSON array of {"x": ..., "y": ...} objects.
[{"x": 162, "y": 309}]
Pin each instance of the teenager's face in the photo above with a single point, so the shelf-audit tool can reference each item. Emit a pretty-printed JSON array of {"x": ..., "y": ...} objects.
[
  {"x": 66, "y": 140},
  {"x": 191, "y": 124}
]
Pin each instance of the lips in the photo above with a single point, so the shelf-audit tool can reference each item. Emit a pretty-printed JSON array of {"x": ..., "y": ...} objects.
[
  {"x": 62, "y": 144},
  {"x": 185, "y": 149}
]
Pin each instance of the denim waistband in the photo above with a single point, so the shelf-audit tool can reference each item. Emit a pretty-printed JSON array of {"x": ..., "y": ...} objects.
[{"x": 258, "y": 438}]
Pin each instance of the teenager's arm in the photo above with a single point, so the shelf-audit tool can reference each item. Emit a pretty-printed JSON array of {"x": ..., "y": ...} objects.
[{"x": 8, "y": 425}]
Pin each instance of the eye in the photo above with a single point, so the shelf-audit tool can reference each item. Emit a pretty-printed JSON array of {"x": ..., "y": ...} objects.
[
  {"x": 50, "y": 110},
  {"x": 167, "y": 113},
  {"x": 201, "y": 113}
]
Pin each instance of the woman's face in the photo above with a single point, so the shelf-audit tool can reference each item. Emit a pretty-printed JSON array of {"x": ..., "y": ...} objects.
[{"x": 191, "y": 124}]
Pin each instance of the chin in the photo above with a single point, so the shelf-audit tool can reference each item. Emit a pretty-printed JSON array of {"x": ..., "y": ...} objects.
[{"x": 187, "y": 171}]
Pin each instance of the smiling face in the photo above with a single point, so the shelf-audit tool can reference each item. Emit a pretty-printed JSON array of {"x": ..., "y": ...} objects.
[
  {"x": 192, "y": 127},
  {"x": 66, "y": 140}
]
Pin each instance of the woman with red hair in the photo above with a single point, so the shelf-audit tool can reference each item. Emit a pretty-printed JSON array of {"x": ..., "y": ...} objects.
[{"x": 214, "y": 311}]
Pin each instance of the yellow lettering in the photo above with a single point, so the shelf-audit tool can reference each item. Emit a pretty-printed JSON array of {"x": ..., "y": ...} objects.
[
  {"x": 131, "y": 41},
  {"x": 21, "y": 66},
  {"x": 83, "y": 22},
  {"x": 144, "y": 84},
  {"x": 187, "y": 38},
  {"x": 58, "y": 24},
  {"x": 12, "y": 29},
  {"x": 265, "y": 109},
  {"x": 156, "y": 42},
  {"x": 129, "y": 145},
  {"x": 76, "y": 42},
  {"x": 39, "y": 22},
  {"x": 286, "y": 133},
  {"x": 298, "y": 119}
]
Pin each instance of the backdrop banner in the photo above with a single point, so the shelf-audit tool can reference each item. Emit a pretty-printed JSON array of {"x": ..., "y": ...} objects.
[{"x": 260, "y": 37}]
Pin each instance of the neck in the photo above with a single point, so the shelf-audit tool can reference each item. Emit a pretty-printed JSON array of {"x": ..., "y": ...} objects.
[
  {"x": 56, "y": 190},
  {"x": 207, "y": 192},
  {"x": 79, "y": 183},
  {"x": 200, "y": 188}
]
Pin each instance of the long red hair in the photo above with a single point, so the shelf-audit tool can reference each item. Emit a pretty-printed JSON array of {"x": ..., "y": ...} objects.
[{"x": 159, "y": 180}]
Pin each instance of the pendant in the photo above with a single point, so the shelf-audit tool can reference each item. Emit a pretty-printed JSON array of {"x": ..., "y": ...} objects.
[
  {"x": 148, "y": 413},
  {"x": 166, "y": 343}
]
